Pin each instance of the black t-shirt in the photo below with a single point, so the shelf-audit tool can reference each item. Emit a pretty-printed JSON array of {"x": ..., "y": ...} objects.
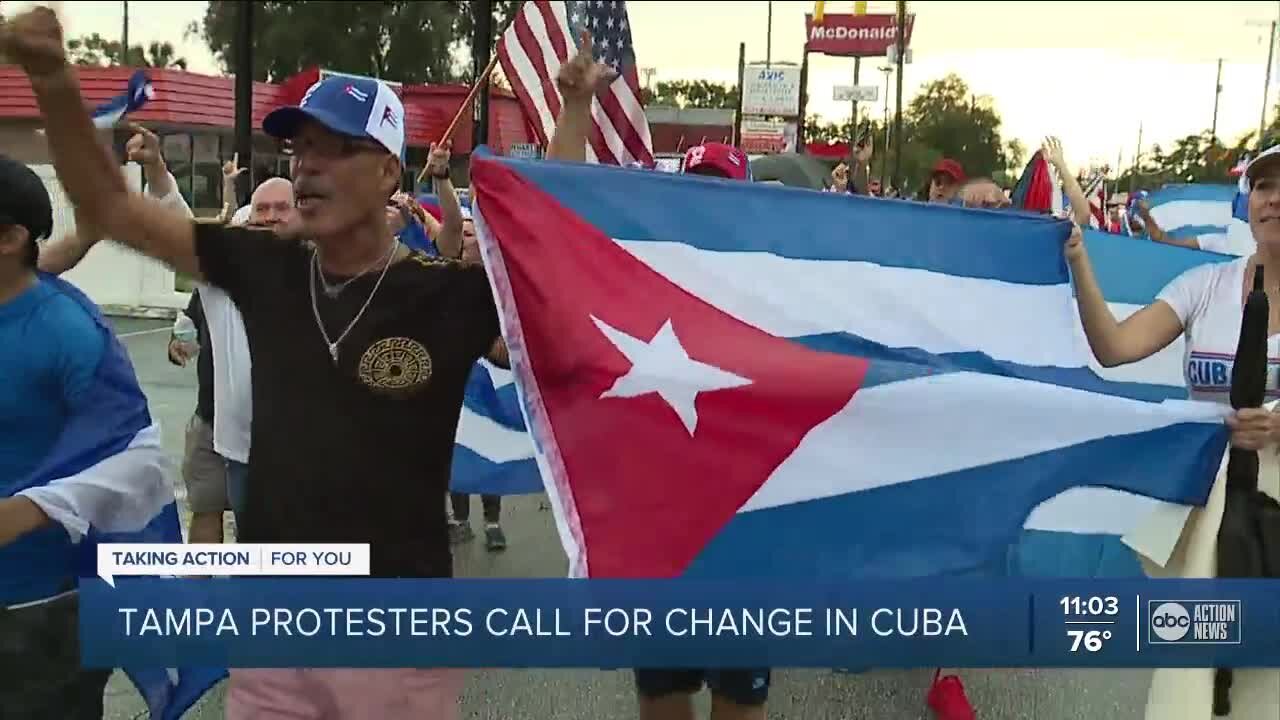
[
  {"x": 360, "y": 451},
  {"x": 204, "y": 360}
]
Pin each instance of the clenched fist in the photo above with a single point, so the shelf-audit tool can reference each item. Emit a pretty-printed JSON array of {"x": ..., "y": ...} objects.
[
  {"x": 582, "y": 77},
  {"x": 34, "y": 40}
]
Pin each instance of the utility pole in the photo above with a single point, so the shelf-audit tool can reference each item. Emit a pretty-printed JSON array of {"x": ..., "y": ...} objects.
[
  {"x": 1266, "y": 85},
  {"x": 897, "y": 120},
  {"x": 768, "y": 39},
  {"x": 482, "y": 22},
  {"x": 884, "y": 152},
  {"x": 1217, "y": 93},
  {"x": 244, "y": 95},
  {"x": 124, "y": 36},
  {"x": 1137, "y": 160},
  {"x": 737, "y": 117},
  {"x": 853, "y": 122}
]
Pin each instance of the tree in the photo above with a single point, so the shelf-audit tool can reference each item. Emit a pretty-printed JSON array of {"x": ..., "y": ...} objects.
[
  {"x": 693, "y": 94},
  {"x": 408, "y": 42},
  {"x": 946, "y": 117},
  {"x": 1199, "y": 158},
  {"x": 97, "y": 50},
  {"x": 1015, "y": 156}
]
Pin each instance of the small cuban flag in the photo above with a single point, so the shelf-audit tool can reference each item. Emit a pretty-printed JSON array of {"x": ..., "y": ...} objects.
[{"x": 139, "y": 92}]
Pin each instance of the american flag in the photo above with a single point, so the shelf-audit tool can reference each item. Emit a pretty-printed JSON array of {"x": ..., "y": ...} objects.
[{"x": 543, "y": 36}]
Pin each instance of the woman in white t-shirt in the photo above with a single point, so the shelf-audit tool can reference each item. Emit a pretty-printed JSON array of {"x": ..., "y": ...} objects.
[{"x": 1205, "y": 305}]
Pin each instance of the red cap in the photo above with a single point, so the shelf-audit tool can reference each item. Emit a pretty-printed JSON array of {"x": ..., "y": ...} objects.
[
  {"x": 947, "y": 166},
  {"x": 716, "y": 159}
]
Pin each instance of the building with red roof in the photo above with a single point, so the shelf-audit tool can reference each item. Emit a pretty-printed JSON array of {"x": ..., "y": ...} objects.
[{"x": 195, "y": 116}]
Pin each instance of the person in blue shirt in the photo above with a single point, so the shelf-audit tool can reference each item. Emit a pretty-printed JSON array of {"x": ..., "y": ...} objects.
[{"x": 50, "y": 349}]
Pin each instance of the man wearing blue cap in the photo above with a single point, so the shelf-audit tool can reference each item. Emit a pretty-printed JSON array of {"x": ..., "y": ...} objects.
[{"x": 361, "y": 351}]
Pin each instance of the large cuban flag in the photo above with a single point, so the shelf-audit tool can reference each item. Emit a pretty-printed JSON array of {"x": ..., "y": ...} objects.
[
  {"x": 1209, "y": 213},
  {"x": 731, "y": 380},
  {"x": 106, "y": 479}
]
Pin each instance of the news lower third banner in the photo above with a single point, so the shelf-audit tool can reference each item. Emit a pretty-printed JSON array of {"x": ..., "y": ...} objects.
[{"x": 360, "y": 622}]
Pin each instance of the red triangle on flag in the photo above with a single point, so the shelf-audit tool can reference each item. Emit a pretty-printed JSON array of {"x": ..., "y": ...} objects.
[{"x": 667, "y": 413}]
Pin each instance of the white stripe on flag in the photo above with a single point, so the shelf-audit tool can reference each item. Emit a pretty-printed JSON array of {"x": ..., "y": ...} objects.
[
  {"x": 492, "y": 441},
  {"x": 898, "y": 307},
  {"x": 123, "y": 493}
]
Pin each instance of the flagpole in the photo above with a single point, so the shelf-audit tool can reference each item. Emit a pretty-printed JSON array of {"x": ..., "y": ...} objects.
[{"x": 481, "y": 81}]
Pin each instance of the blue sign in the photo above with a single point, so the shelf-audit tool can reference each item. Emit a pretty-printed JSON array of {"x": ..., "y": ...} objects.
[{"x": 259, "y": 622}]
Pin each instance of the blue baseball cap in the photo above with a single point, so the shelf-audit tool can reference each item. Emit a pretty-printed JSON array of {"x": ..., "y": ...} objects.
[{"x": 355, "y": 107}]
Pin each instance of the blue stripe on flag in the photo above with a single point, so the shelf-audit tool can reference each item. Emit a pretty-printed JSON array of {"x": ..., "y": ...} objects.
[
  {"x": 1195, "y": 231},
  {"x": 896, "y": 531},
  {"x": 895, "y": 364},
  {"x": 1133, "y": 271},
  {"x": 1197, "y": 192},
  {"x": 796, "y": 223}
]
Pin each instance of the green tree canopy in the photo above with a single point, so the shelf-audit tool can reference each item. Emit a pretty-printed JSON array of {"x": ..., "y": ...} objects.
[
  {"x": 944, "y": 120},
  {"x": 97, "y": 50},
  {"x": 409, "y": 42},
  {"x": 945, "y": 116},
  {"x": 692, "y": 94},
  {"x": 1200, "y": 158}
]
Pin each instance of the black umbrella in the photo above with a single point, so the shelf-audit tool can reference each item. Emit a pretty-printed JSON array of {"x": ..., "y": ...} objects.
[
  {"x": 1249, "y": 537},
  {"x": 792, "y": 169}
]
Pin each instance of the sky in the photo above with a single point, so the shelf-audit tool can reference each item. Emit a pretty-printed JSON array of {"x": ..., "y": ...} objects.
[{"x": 1090, "y": 73}]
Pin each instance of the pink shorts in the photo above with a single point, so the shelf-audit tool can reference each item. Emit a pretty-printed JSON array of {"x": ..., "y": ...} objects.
[{"x": 341, "y": 694}]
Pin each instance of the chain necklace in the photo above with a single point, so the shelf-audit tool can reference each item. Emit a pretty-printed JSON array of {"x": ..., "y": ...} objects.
[
  {"x": 332, "y": 291},
  {"x": 315, "y": 308}
]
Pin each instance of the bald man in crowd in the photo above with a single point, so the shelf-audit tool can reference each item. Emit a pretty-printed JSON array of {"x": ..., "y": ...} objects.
[{"x": 224, "y": 371}]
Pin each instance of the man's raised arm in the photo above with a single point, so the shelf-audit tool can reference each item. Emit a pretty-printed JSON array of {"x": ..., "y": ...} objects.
[{"x": 86, "y": 169}]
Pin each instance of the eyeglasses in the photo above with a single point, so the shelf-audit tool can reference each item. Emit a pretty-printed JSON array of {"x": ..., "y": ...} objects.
[{"x": 327, "y": 147}]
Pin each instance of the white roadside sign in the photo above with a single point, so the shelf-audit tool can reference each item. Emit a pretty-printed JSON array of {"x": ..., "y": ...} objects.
[
  {"x": 771, "y": 90},
  {"x": 860, "y": 93}
]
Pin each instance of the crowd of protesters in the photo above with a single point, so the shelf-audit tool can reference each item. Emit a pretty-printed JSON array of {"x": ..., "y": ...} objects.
[{"x": 336, "y": 323}]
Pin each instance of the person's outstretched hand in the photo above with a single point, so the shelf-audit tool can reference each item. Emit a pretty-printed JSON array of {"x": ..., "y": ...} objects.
[
  {"x": 1074, "y": 247},
  {"x": 582, "y": 77}
]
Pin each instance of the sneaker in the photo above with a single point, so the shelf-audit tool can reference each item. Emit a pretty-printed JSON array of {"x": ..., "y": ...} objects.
[
  {"x": 494, "y": 539},
  {"x": 460, "y": 532}
]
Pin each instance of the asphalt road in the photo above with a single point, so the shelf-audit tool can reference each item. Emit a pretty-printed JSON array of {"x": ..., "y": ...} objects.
[{"x": 534, "y": 551}]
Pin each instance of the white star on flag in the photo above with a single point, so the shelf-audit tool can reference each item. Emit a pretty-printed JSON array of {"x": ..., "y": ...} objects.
[{"x": 662, "y": 366}]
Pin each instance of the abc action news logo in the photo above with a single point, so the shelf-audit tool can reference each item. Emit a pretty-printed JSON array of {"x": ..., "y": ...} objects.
[{"x": 1184, "y": 622}]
